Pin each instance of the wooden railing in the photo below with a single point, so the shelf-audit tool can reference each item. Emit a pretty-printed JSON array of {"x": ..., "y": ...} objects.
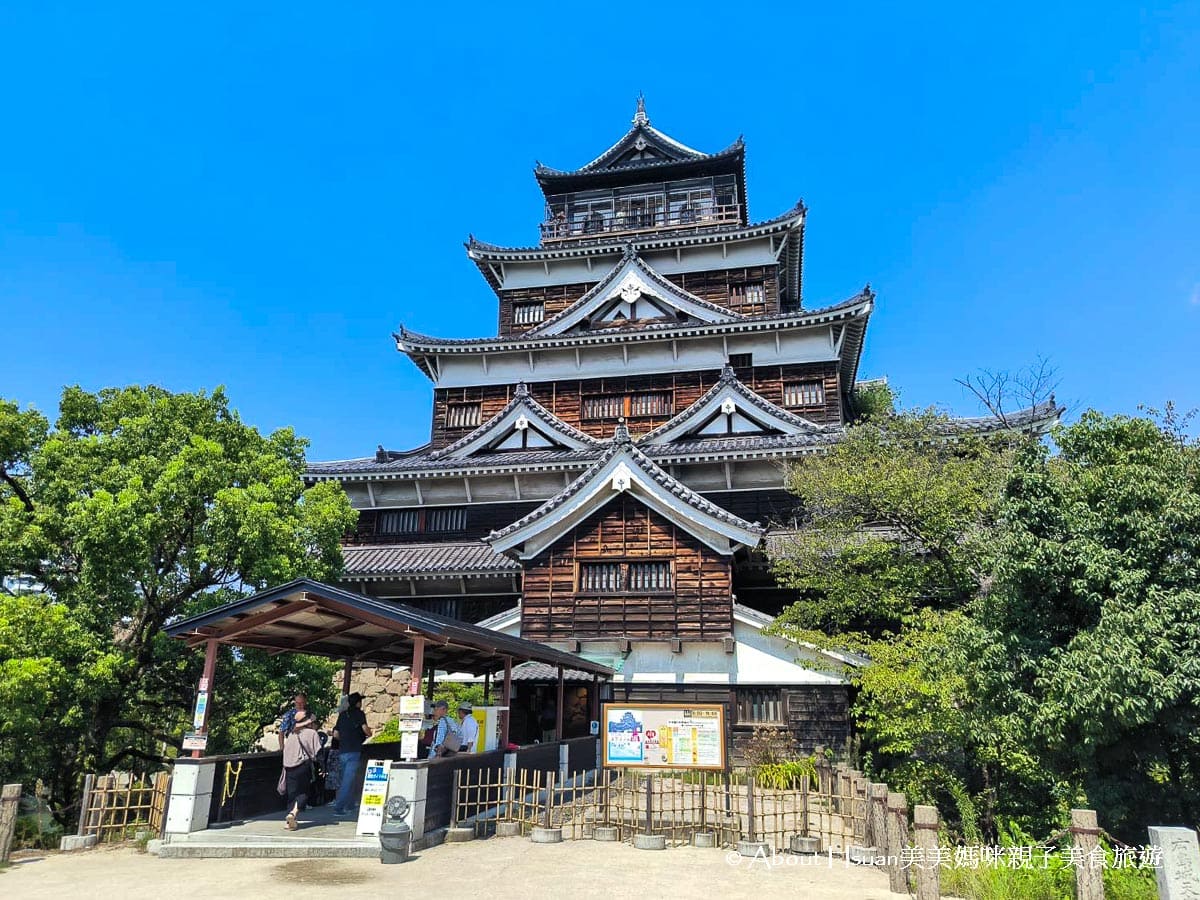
[{"x": 607, "y": 223}]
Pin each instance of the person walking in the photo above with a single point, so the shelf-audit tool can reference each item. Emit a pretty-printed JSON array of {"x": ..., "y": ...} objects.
[
  {"x": 300, "y": 749},
  {"x": 350, "y": 731}
]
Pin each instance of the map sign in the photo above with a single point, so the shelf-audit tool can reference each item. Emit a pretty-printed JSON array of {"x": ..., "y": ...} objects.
[
  {"x": 664, "y": 736},
  {"x": 374, "y": 793}
]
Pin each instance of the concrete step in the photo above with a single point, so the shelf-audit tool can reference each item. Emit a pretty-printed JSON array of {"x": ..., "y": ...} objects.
[{"x": 269, "y": 850}]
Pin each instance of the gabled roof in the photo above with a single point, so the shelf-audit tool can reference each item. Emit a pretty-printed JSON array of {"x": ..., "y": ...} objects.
[
  {"x": 857, "y": 307},
  {"x": 730, "y": 409},
  {"x": 642, "y": 147},
  {"x": 524, "y": 424},
  {"x": 624, "y": 468},
  {"x": 309, "y": 617},
  {"x": 630, "y": 290}
]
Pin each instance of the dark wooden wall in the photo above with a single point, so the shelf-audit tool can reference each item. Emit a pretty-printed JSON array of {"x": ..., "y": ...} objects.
[
  {"x": 699, "y": 605},
  {"x": 721, "y": 287},
  {"x": 482, "y": 519},
  {"x": 564, "y": 398}
]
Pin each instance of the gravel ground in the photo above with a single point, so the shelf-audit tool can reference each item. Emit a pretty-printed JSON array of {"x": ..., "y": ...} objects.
[{"x": 506, "y": 867}]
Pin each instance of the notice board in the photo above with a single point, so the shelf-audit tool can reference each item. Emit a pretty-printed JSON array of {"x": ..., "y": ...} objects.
[{"x": 664, "y": 735}]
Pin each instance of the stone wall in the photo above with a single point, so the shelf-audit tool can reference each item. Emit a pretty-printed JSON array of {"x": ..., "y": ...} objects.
[{"x": 381, "y": 689}]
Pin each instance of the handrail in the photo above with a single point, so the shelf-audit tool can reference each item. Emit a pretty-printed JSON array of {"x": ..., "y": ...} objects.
[{"x": 607, "y": 223}]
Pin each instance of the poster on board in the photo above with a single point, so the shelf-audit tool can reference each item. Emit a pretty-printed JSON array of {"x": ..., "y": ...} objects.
[{"x": 664, "y": 736}]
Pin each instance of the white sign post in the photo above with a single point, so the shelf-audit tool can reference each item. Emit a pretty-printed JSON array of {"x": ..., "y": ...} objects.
[{"x": 374, "y": 795}]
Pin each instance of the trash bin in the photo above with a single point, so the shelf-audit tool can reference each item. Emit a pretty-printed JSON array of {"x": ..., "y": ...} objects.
[{"x": 395, "y": 837}]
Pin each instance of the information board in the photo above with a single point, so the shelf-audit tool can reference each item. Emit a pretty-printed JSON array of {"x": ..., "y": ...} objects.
[
  {"x": 664, "y": 736},
  {"x": 374, "y": 794}
]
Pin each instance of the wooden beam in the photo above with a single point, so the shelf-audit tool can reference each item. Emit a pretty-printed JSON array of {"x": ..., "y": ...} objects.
[
  {"x": 322, "y": 635},
  {"x": 418, "y": 663},
  {"x": 506, "y": 702},
  {"x": 250, "y": 622},
  {"x": 206, "y": 681},
  {"x": 558, "y": 714}
]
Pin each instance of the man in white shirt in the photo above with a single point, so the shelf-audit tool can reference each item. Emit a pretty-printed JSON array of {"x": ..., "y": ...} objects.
[{"x": 469, "y": 727}]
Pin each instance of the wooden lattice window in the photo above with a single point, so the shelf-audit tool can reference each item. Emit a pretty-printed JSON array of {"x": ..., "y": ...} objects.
[
  {"x": 399, "y": 521},
  {"x": 649, "y": 576},
  {"x": 631, "y": 577},
  {"x": 604, "y": 407},
  {"x": 599, "y": 577},
  {"x": 761, "y": 705},
  {"x": 741, "y": 360},
  {"x": 803, "y": 393},
  {"x": 655, "y": 403},
  {"x": 463, "y": 415},
  {"x": 453, "y": 518},
  {"x": 528, "y": 313}
]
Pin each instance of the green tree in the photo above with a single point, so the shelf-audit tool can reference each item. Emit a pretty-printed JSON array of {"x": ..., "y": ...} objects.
[
  {"x": 1093, "y": 628},
  {"x": 897, "y": 540},
  {"x": 140, "y": 506}
]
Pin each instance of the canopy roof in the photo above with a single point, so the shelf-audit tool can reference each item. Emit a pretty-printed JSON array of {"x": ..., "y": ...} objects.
[{"x": 306, "y": 616}]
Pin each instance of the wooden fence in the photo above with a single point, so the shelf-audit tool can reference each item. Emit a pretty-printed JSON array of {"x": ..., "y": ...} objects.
[
  {"x": 674, "y": 804},
  {"x": 118, "y": 805}
]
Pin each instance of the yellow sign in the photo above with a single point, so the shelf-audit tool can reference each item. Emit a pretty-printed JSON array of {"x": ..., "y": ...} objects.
[{"x": 664, "y": 736}]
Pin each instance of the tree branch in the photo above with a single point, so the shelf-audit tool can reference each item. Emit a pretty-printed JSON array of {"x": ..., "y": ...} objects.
[{"x": 12, "y": 482}]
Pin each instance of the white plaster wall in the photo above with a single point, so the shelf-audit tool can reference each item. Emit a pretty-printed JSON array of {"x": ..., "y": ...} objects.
[
  {"x": 795, "y": 346},
  {"x": 757, "y": 659}
]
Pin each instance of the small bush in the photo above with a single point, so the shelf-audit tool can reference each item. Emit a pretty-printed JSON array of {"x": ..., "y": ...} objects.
[{"x": 34, "y": 833}]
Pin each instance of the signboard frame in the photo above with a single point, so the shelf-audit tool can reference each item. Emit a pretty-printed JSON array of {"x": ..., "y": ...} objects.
[{"x": 681, "y": 708}]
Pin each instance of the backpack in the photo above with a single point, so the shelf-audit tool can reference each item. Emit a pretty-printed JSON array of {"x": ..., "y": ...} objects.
[{"x": 453, "y": 738}]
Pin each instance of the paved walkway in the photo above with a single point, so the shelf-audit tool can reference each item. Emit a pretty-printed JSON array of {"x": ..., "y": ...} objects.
[{"x": 510, "y": 867}]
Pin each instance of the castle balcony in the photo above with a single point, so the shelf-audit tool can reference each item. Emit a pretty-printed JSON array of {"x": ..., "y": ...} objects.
[{"x": 696, "y": 203}]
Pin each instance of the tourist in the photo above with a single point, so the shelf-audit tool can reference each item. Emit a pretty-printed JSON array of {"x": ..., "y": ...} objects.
[
  {"x": 300, "y": 749},
  {"x": 350, "y": 731},
  {"x": 468, "y": 727},
  {"x": 446, "y": 737},
  {"x": 288, "y": 722}
]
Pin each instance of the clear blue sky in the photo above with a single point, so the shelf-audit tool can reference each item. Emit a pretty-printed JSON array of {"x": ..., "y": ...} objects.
[{"x": 206, "y": 196}]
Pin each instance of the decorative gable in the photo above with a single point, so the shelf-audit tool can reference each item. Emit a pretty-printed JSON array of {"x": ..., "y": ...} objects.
[
  {"x": 730, "y": 409},
  {"x": 524, "y": 424},
  {"x": 631, "y": 293},
  {"x": 622, "y": 471}
]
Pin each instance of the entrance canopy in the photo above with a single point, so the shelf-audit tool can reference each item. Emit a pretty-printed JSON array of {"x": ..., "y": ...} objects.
[{"x": 309, "y": 617}]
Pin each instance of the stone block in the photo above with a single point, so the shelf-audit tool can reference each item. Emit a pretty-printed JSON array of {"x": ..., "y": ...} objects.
[
  {"x": 1179, "y": 872},
  {"x": 508, "y": 829},
  {"x": 754, "y": 849},
  {"x": 704, "y": 839},
  {"x": 606, "y": 833},
  {"x": 546, "y": 835},
  {"x": 71, "y": 842},
  {"x": 460, "y": 834},
  {"x": 650, "y": 841}
]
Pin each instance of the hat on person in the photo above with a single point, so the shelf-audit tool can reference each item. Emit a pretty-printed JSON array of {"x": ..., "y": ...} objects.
[
  {"x": 464, "y": 706},
  {"x": 441, "y": 704},
  {"x": 356, "y": 698}
]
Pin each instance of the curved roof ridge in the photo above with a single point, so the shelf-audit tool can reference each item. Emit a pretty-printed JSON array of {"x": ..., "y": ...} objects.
[
  {"x": 621, "y": 444},
  {"x": 730, "y": 381},
  {"x": 630, "y": 256},
  {"x": 521, "y": 398}
]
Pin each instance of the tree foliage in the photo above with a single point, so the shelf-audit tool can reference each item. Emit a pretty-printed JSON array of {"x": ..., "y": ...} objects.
[
  {"x": 139, "y": 506},
  {"x": 1032, "y": 616}
]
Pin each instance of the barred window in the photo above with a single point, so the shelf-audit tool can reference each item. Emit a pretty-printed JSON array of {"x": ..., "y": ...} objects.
[
  {"x": 453, "y": 518},
  {"x": 760, "y": 705},
  {"x": 608, "y": 407},
  {"x": 625, "y": 577},
  {"x": 463, "y": 415},
  {"x": 399, "y": 521},
  {"x": 600, "y": 576},
  {"x": 803, "y": 393},
  {"x": 528, "y": 313},
  {"x": 741, "y": 360},
  {"x": 650, "y": 576},
  {"x": 657, "y": 403}
]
